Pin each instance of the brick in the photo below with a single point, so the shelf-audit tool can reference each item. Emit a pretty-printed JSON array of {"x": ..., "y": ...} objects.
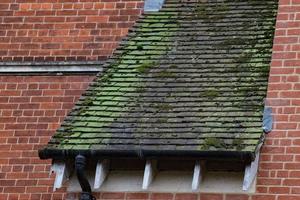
[
  {"x": 280, "y": 86},
  {"x": 29, "y": 106},
  {"x": 50, "y": 46},
  {"x": 98, "y": 19},
  {"x": 53, "y": 92},
  {"x": 273, "y": 150},
  {"x": 161, "y": 196},
  {"x": 281, "y": 70},
  {"x": 211, "y": 196},
  {"x": 286, "y": 126},
  {"x": 289, "y": 197},
  {"x": 295, "y": 191},
  {"x": 51, "y": 105},
  {"x": 291, "y": 182},
  {"x": 186, "y": 196},
  {"x": 112, "y": 195},
  {"x": 36, "y": 189},
  {"x": 271, "y": 166},
  {"x": 279, "y": 190},
  {"x": 280, "y": 156},
  {"x": 236, "y": 197},
  {"x": 14, "y": 190},
  {"x": 37, "y": 19},
  {"x": 295, "y": 150},
  {"x": 21, "y": 153},
  {"x": 261, "y": 189},
  {"x": 137, "y": 196},
  {"x": 5, "y": 183},
  {"x": 130, "y": 12},
  {"x": 263, "y": 197},
  {"x": 286, "y": 40},
  {"x": 268, "y": 181}
]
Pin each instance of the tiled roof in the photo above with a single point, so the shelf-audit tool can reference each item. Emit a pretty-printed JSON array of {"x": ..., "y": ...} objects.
[{"x": 191, "y": 77}]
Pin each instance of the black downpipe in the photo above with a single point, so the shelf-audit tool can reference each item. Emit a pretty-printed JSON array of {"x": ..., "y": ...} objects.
[{"x": 80, "y": 163}]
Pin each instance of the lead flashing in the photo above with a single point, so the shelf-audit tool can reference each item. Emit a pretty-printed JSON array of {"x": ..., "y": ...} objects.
[
  {"x": 267, "y": 120},
  {"x": 153, "y": 5}
]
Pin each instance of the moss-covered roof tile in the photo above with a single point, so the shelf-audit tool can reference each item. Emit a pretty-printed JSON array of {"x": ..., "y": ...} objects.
[{"x": 192, "y": 76}]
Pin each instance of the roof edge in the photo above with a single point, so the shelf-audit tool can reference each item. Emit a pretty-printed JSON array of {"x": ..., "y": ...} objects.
[
  {"x": 51, "y": 67},
  {"x": 62, "y": 154}
]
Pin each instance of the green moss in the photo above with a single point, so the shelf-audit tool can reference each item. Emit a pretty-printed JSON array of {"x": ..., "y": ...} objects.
[
  {"x": 163, "y": 106},
  {"x": 231, "y": 42},
  {"x": 139, "y": 47},
  {"x": 213, "y": 142},
  {"x": 210, "y": 94},
  {"x": 201, "y": 11},
  {"x": 88, "y": 102},
  {"x": 162, "y": 120},
  {"x": 165, "y": 74},
  {"x": 86, "y": 114},
  {"x": 140, "y": 90},
  {"x": 145, "y": 67},
  {"x": 213, "y": 13},
  {"x": 58, "y": 135},
  {"x": 238, "y": 143},
  {"x": 173, "y": 66},
  {"x": 244, "y": 57}
]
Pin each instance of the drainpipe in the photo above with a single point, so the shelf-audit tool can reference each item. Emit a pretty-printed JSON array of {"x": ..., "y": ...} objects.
[{"x": 80, "y": 163}]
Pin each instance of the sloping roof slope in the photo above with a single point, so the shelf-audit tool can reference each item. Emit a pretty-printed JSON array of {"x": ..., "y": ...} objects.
[{"x": 189, "y": 78}]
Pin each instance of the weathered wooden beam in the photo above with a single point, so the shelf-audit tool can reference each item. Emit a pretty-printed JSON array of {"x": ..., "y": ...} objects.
[
  {"x": 197, "y": 176},
  {"x": 250, "y": 173},
  {"x": 60, "y": 169},
  {"x": 102, "y": 171},
  {"x": 149, "y": 173}
]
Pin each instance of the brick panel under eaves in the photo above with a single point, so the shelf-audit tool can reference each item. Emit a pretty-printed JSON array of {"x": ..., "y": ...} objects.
[{"x": 191, "y": 77}]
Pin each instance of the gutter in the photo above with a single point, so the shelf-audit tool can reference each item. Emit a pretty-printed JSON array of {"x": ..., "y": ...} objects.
[{"x": 246, "y": 156}]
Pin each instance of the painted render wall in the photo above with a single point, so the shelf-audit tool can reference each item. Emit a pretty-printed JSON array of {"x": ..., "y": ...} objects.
[{"x": 32, "y": 107}]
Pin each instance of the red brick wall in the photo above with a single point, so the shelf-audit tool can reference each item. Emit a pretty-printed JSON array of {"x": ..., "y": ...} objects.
[
  {"x": 59, "y": 30},
  {"x": 32, "y": 107},
  {"x": 280, "y": 162}
]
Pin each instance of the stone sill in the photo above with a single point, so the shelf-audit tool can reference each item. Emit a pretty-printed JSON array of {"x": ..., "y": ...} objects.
[{"x": 51, "y": 67}]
